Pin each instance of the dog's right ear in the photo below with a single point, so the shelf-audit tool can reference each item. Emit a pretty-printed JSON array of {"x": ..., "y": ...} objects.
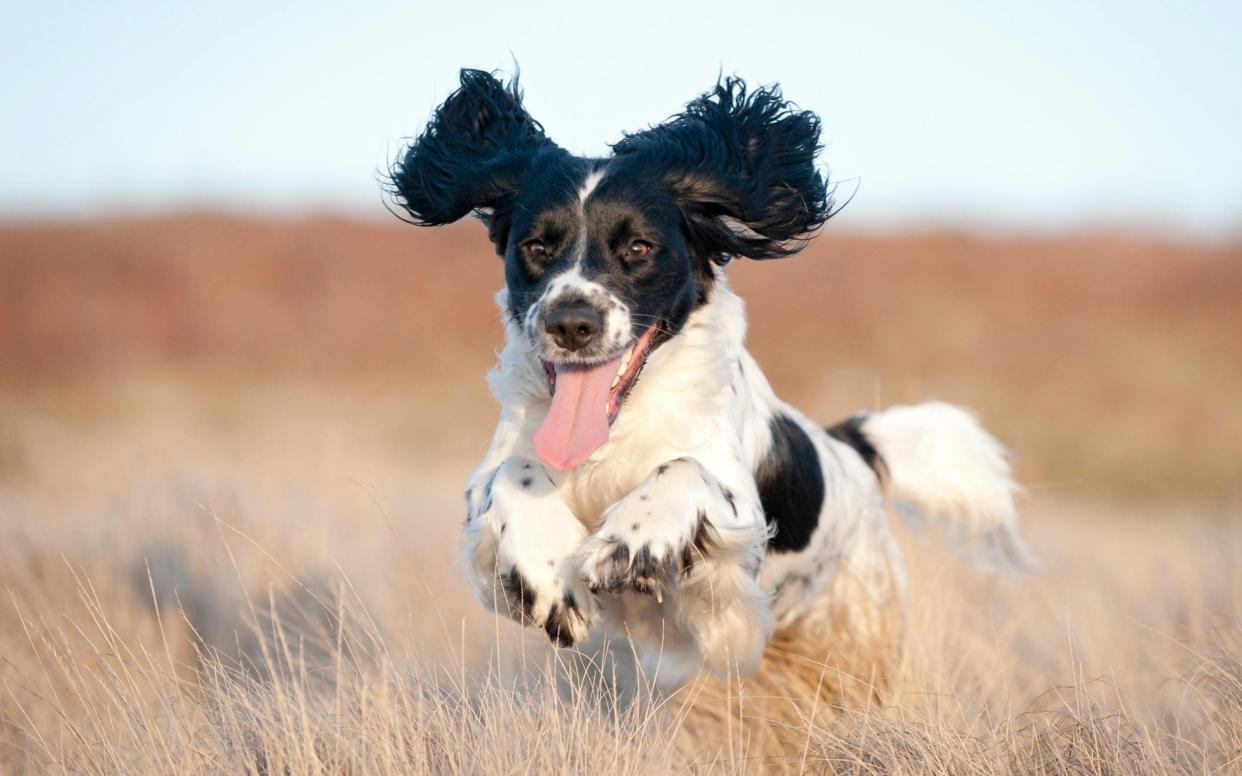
[{"x": 472, "y": 154}]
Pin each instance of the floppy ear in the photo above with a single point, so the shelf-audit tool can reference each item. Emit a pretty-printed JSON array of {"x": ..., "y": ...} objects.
[
  {"x": 471, "y": 155},
  {"x": 742, "y": 166}
]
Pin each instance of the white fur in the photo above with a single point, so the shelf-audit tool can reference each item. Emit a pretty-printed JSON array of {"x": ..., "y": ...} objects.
[
  {"x": 516, "y": 523},
  {"x": 572, "y": 284},
  {"x": 588, "y": 186},
  {"x": 717, "y": 604},
  {"x": 695, "y": 428},
  {"x": 944, "y": 469}
]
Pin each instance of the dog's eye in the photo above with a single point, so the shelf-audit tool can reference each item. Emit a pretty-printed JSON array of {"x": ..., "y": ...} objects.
[
  {"x": 535, "y": 249},
  {"x": 639, "y": 249}
]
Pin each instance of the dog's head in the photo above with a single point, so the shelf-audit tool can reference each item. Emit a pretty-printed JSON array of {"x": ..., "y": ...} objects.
[{"x": 605, "y": 259}]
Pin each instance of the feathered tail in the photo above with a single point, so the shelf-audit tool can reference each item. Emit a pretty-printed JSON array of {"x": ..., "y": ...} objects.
[{"x": 942, "y": 469}]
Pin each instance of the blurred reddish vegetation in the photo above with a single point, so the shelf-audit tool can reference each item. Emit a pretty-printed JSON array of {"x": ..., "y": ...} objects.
[{"x": 1104, "y": 358}]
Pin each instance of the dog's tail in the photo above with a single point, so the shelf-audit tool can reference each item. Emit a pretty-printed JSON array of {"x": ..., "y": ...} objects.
[{"x": 942, "y": 469}]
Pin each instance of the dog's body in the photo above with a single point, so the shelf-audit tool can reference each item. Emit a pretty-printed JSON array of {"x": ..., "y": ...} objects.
[{"x": 691, "y": 512}]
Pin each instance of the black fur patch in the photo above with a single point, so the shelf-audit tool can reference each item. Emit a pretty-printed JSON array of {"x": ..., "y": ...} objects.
[
  {"x": 520, "y": 593},
  {"x": 647, "y": 575},
  {"x": 791, "y": 485},
  {"x": 614, "y": 574},
  {"x": 850, "y": 432},
  {"x": 557, "y": 626},
  {"x": 749, "y": 155},
  {"x": 704, "y": 540}
]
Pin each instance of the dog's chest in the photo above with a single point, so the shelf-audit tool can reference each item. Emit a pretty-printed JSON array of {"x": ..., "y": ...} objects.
[
  {"x": 596, "y": 485},
  {"x": 639, "y": 444},
  {"x": 699, "y": 420},
  {"x": 631, "y": 457}
]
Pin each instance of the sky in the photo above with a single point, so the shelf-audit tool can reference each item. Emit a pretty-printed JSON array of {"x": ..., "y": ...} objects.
[{"x": 1050, "y": 115}]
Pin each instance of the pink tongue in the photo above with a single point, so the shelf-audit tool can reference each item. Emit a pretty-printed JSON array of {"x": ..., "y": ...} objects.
[{"x": 577, "y": 423}]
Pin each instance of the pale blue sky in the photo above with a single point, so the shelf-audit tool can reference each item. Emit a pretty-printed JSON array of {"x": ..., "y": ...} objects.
[{"x": 1050, "y": 114}]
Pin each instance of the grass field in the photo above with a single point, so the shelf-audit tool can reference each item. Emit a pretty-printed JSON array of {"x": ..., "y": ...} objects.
[{"x": 231, "y": 455}]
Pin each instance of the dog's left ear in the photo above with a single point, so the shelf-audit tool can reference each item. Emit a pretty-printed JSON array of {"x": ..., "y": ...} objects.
[{"x": 742, "y": 167}]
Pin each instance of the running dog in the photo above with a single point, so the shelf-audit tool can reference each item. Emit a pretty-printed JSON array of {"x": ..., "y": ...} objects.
[{"x": 644, "y": 482}]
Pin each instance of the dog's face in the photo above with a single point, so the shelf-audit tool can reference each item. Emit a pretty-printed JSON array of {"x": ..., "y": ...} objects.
[
  {"x": 605, "y": 259},
  {"x": 594, "y": 258}
]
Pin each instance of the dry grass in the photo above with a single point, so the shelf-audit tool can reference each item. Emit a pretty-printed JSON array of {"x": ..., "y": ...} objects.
[{"x": 179, "y": 601}]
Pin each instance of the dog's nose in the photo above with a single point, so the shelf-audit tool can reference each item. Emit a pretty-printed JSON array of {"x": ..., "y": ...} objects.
[{"x": 573, "y": 326}]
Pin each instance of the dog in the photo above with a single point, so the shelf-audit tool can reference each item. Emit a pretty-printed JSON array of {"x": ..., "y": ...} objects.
[{"x": 645, "y": 484}]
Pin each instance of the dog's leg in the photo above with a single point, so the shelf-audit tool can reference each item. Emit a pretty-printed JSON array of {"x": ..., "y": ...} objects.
[
  {"x": 518, "y": 548},
  {"x": 695, "y": 546}
]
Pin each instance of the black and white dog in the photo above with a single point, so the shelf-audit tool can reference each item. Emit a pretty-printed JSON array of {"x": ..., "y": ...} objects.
[{"x": 644, "y": 481}]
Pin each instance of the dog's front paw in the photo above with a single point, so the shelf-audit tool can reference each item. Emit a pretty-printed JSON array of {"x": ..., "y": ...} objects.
[
  {"x": 564, "y": 614},
  {"x": 609, "y": 565},
  {"x": 614, "y": 563},
  {"x": 535, "y": 535},
  {"x": 652, "y": 537}
]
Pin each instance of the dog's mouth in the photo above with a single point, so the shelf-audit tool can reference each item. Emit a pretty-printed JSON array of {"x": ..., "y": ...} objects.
[{"x": 586, "y": 399}]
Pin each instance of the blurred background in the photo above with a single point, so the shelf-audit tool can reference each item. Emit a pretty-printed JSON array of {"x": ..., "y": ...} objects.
[{"x": 213, "y": 334}]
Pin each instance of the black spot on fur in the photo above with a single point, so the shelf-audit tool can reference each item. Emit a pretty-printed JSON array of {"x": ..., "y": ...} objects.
[
  {"x": 700, "y": 545},
  {"x": 850, "y": 431},
  {"x": 527, "y": 482},
  {"x": 791, "y": 485},
  {"x": 519, "y": 591},
  {"x": 557, "y": 626},
  {"x": 705, "y": 537},
  {"x": 645, "y": 571},
  {"x": 614, "y": 570},
  {"x": 661, "y": 469}
]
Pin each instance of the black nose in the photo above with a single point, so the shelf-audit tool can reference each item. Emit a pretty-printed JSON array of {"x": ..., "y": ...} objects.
[{"x": 573, "y": 326}]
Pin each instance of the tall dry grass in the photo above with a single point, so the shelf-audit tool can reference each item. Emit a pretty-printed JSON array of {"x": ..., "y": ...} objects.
[{"x": 205, "y": 578}]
